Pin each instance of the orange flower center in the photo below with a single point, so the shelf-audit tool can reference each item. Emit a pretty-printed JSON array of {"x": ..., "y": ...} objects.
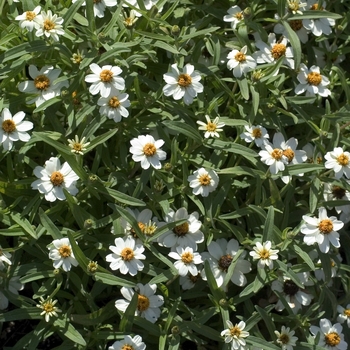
[
  {"x": 278, "y": 51},
  {"x": 126, "y": 346},
  {"x": 114, "y": 102},
  {"x": 277, "y": 154},
  {"x": 235, "y": 332},
  {"x": 8, "y": 126},
  {"x": 332, "y": 339},
  {"x": 325, "y": 226},
  {"x": 315, "y": 7},
  {"x": 184, "y": 80},
  {"x": 42, "y": 82},
  {"x": 106, "y": 76},
  {"x": 204, "y": 180},
  {"x": 49, "y": 25},
  {"x": 240, "y": 57},
  {"x": 187, "y": 257},
  {"x": 56, "y": 178},
  {"x": 257, "y": 133},
  {"x": 264, "y": 254},
  {"x": 314, "y": 78},
  {"x": 343, "y": 159},
  {"x": 65, "y": 251},
  {"x": 347, "y": 312},
  {"x": 182, "y": 229},
  {"x": 127, "y": 254},
  {"x": 239, "y": 15},
  {"x": 289, "y": 154},
  {"x": 142, "y": 302},
  {"x": 149, "y": 149},
  {"x": 30, "y": 15}
]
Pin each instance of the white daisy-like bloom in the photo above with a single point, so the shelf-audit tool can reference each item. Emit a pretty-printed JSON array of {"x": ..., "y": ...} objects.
[
  {"x": 273, "y": 50},
  {"x": 49, "y": 308},
  {"x": 184, "y": 235},
  {"x": 318, "y": 26},
  {"x": 131, "y": 18},
  {"x": 319, "y": 272},
  {"x": 148, "y": 304},
  {"x": 126, "y": 256},
  {"x": 49, "y": 25},
  {"x": 220, "y": 256},
  {"x": 60, "y": 251},
  {"x": 312, "y": 82},
  {"x": 286, "y": 338},
  {"x": 327, "y": 52},
  {"x": 344, "y": 314},
  {"x": 189, "y": 281},
  {"x": 13, "y": 128},
  {"x": 339, "y": 162},
  {"x": 104, "y": 80},
  {"x": 296, "y": 6},
  {"x": 336, "y": 193},
  {"x": 187, "y": 260},
  {"x": 78, "y": 146},
  {"x": 4, "y": 258},
  {"x": 183, "y": 85},
  {"x": 203, "y": 181},
  {"x": 240, "y": 62},
  {"x": 128, "y": 343},
  {"x": 256, "y": 133},
  {"x": 13, "y": 286},
  {"x": 147, "y": 3},
  {"x": 146, "y": 149},
  {"x": 281, "y": 153},
  {"x": 100, "y": 6},
  {"x": 53, "y": 178},
  {"x": 211, "y": 128},
  {"x": 236, "y": 335},
  {"x": 296, "y": 25},
  {"x": 311, "y": 156},
  {"x": 26, "y": 19},
  {"x": 295, "y": 296},
  {"x": 264, "y": 254},
  {"x": 114, "y": 106},
  {"x": 235, "y": 16},
  {"x": 322, "y": 230},
  {"x": 331, "y": 336}
]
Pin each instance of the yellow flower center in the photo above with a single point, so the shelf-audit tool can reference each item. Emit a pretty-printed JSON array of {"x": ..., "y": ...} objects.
[
  {"x": 325, "y": 226},
  {"x": 264, "y": 254},
  {"x": 278, "y": 51},
  {"x": 65, "y": 251},
  {"x": 257, "y": 133},
  {"x": 284, "y": 338},
  {"x": 204, "y": 180},
  {"x": 347, "y": 312},
  {"x": 343, "y": 159},
  {"x": 141, "y": 226},
  {"x": 235, "y": 332},
  {"x": 30, "y": 15},
  {"x": 225, "y": 262},
  {"x": 184, "y": 80},
  {"x": 56, "y": 178},
  {"x": 277, "y": 154},
  {"x": 127, "y": 254},
  {"x": 106, "y": 76},
  {"x": 114, "y": 102},
  {"x": 293, "y": 5},
  {"x": 125, "y": 346},
  {"x": 314, "y": 78},
  {"x": 8, "y": 126},
  {"x": 289, "y": 154},
  {"x": 315, "y": 7},
  {"x": 182, "y": 229},
  {"x": 48, "y": 307},
  {"x": 149, "y": 149},
  {"x": 296, "y": 24},
  {"x": 77, "y": 147},
  {"x": 211, "y": 126},
  {"x": 49, "y": 25},
  {"x": 142, "y": 302},
  {"x": 42, "y": 82},
  {"x": 332, "y": 339},
  {"x": 150, "y": 228},
  {"x": 187, "y": 257},
  {"x": 239, "y": 15},
  {"x": 240, "y": 57}
]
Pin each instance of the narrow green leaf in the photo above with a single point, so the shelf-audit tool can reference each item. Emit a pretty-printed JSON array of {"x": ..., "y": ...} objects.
[
  {"x": 112, "y": 280},
  {"x": 243, "y": 86},
  {"x": 49, "y": 225},
  {"x": 183, "y": 128},
  {"x": 66, "y": 328},
  {"x": 314, "y": 14},
  {"x": 73, "y": 8},
  {"x": 127, "y": 320},
  {"x": 295, "y": 42},
  {"x": 269, "y": 224},
  {"x": 24, "y": 224},
  {"x": 305, "y": 256}
]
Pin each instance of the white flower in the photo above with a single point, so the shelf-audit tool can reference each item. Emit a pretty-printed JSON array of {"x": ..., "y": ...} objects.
[
  {"x": 235, "y": 15},
  {"x": 312, "y": 82},
  {"x": 130, "y": 20},
  {"x": 12, "y": 286},
  {"x": 272, "y": 51},
  {"x": 286, "y": 338},
  {"x": 319, "y": 271},
  {"x": 264, "y": 254},
  {"x": 78, "y": 147},
  {"x": 126, "y": 256},
  {"x": 322, "y": 230},
  {"x": 236, "y": 335},
  {"x": 327, "y": 53},
  {"x": 257, "y": 133},
  {"x": 147, "y": 305},
  {"x": 296, "y": 25},
  {"x": 43, "y": 84},
  {"x": 146, "y": 149},
  {"x": 336, "y": 193},
  {"x": 189, "y": 281},
  {"x": 53, "y": 179},
  {"x": 49, "y": 308},
  {"x": 49, "y": 25},
  {"x": 331, "y": 336},
  {"x": 184, "y": 85},
  {"x": 4, "y": 257},
  {"x": 128, "y": 343},
  {"x": 339, "y": 161},
  {"x": 184, "y": 235},
  {"x": 321, "y": 25},
  {"x": 310, "y": 153},
  {"x": 187, "y": 260},
  {"x": 211, "y": 128},
  {"x": 220, "y": 256},
  {"x": 26, "y": 19},
  {"x": 114, "y": 106},
  {"x": 344, "y": 314},
  {"x": 104, "y": 79},
  {"x": 240, "y": 62},
  {"x": 62, "y": 254},
  {"x": 100, "y": 6},
  {"x": 293, "y": 294},
  {"x": 147, "y": 3},
  {"x": 203, "y": 181},
  {"x": 296, "y": 7},
  {"x": 13, "y": 128}
]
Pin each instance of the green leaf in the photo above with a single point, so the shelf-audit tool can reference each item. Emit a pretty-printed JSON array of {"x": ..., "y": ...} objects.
[
  {"x": 24, "y": 224},
  {"x": 313, "y": 14},
  {"x": 244, "y": 88},
  {"x": 27, "y": 313},
  {"x": 101, "y": 139},
  {"x": 295, "y": 42},
  {"x": 305, "y": 256},
  {"x": 269, "y": 225},
  {"x": 112, "y": 280},
  {"x": 49, "y": 225},
  {"x": 183, "y": 128},
  {"x": 127, "y": 320},
  {"x": 73, "y": 8},
  {"x": 66, "y": 328}
]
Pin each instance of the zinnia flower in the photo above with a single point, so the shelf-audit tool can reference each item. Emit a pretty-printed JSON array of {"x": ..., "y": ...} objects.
[
  {"x": 203, "y": 181},
  {"x": 49, "y": 25},
  {"x": 62, "y": 254}
]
